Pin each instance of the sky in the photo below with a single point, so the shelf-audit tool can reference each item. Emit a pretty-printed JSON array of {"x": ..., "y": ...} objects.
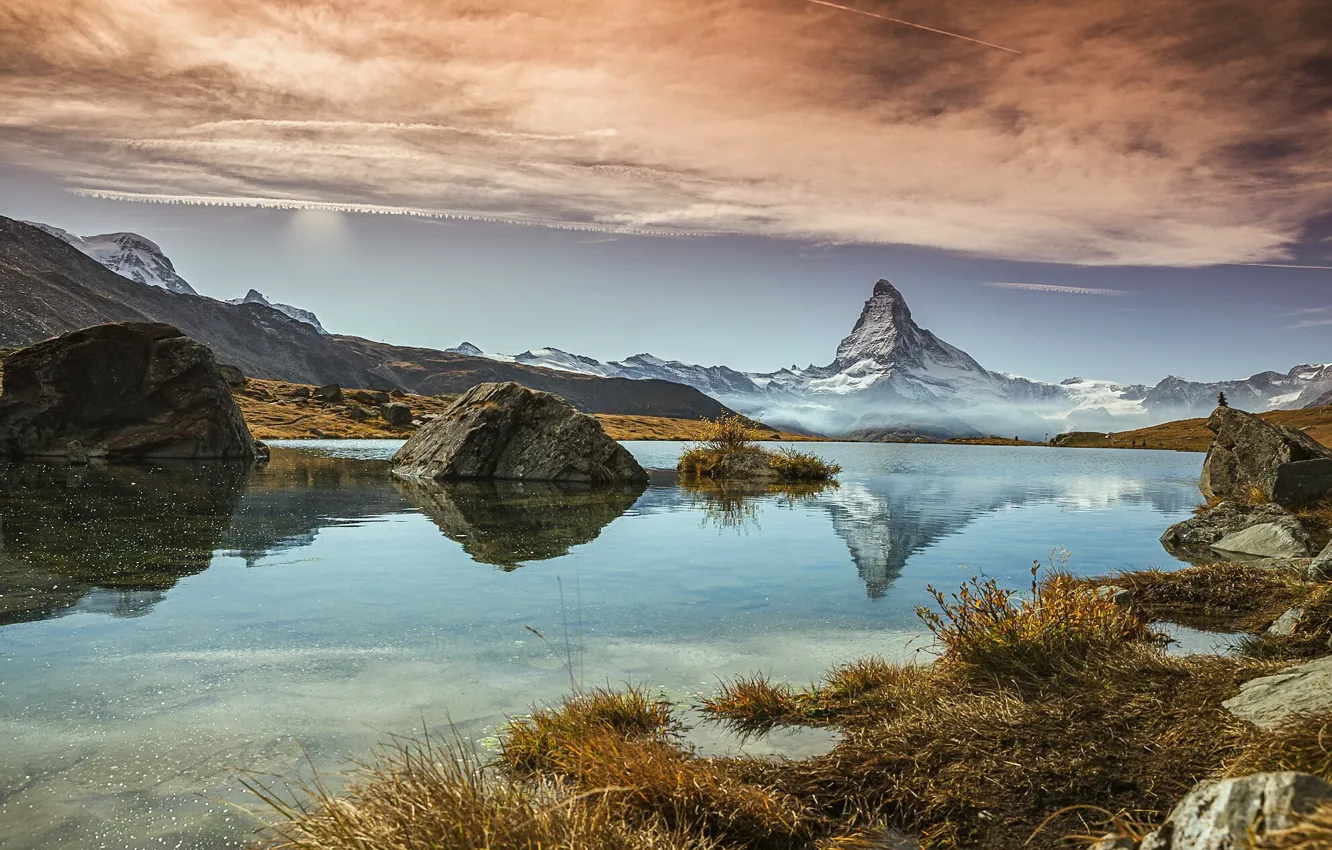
[{"x": 1119, "y": 190}]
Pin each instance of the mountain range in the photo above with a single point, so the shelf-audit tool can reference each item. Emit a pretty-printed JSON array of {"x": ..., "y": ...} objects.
[
  {"x": 888, "y": 379},
  {"x": 49, "y": 286}
]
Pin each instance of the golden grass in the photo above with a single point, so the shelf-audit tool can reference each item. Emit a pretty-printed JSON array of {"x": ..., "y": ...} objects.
[
  {"x": 1312, "y": 832},
  {"x": 1228, "y": 597},
  {"x": 528, "y": 743},
  {"x": 273, "y": 411},
  {"x": 1045, "y": 709}
]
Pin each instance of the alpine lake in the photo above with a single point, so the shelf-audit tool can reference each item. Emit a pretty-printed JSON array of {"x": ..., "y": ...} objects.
[{"x": 165, "y": 630}]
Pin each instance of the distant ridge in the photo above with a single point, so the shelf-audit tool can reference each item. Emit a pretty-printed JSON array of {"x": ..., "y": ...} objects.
[{"x": 49, "y": 287}]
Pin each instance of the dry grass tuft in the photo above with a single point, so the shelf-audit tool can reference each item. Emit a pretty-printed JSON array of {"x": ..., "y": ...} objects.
[
  {"x": 1255, "y": 495},
  {"x": 1317, "y": 517},
  {"x": 1216, "y": 597},
  {"x": 1312, "y": 636},
  {"x": 985, "y": 764},
  {"x": 427, "y": 795},
  {"x": 1313, "y": 832},
  {"x": 1303, "y": 743},
  {"x": 998, "y": 632},
  {"x": 621, "y": 747},
  {"x": 530, "y": 745},
  {"x": 1212, "y": 501}
]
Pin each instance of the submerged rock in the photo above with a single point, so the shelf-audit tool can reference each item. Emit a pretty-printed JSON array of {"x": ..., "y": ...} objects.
[
  {"x": 134, "y": 390},
  {"x": 509, "y": 432},
  {"x": 1229, "y": 814},
  {"x": 1269, "y": 700},
  {"x": 1250, "y": 456}
]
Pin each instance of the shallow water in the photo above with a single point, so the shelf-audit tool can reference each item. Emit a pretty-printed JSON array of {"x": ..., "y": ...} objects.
[{"x": 161, "y": 628}]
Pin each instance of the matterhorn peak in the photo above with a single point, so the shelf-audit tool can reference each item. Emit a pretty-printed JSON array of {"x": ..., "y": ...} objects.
[{"x": 882, "y": 332}]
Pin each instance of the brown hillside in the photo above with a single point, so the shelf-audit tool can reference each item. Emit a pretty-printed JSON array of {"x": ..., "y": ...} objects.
[{"x": 1191, "y": 435}]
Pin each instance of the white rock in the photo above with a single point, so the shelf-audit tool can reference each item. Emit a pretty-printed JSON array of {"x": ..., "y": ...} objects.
[
  {"x": 1224, "y": 815},
  {"x": 1269, "y": 700},
  {"x": 1267, "y": 540}
]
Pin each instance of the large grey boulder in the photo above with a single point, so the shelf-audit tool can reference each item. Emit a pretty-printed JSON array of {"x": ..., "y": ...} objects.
[
  {"x": 1280, "y": 539},
  {"x": 1286, "y": 466},
  {"x": 1270, "y": 700},
  {"x": 1229, "y": 814},
  {"x": 507, "y": 431},
  {"x": 120, "y": 391}
]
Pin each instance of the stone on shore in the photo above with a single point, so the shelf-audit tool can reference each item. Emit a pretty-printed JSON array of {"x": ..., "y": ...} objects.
[
  {"x": 396, "y": 414},
  {"x": 1231, "y": 813},
  {"x": 1270, "y": 700},
  {"x": 1250, "y": 456},
  {"x": 328, "y": 392},
  {"x": 1281, "y": 539},
  {"x": 120, "y": 391},
  {"x": 509, "y": 432}
]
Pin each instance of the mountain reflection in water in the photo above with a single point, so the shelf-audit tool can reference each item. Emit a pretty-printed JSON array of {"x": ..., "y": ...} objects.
[{"x": 114, "y": 538}]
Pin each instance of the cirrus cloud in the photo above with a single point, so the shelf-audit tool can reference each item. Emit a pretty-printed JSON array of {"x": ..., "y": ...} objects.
[
  {"x": 1167, "y": 132},
  {"x": 1057, "y": 289}
]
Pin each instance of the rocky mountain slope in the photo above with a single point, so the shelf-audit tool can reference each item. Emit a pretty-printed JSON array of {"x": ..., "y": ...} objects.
[
  {"x": 48, "y": 287},
  {"x": 128, "y": 255},
  {"x": 254, "y": 296}
]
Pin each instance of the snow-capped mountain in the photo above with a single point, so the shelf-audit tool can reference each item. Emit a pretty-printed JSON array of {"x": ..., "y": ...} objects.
[
  {"x": 890, "y": 378},
  {"x": 256, "y": 297},
  {"x": 128, "y": 255}
]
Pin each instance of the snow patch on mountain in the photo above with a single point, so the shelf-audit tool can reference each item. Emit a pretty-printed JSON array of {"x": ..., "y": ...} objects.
[
  {"x": 256, "y": 297},
  {"x": 128, "y": 255}
]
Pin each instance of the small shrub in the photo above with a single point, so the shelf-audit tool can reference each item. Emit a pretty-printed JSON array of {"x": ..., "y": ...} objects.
[
  {"x": 794, "y": 465},
  {"x": 1255, "y": 495},
  {"x": 729, "y": 433},
  {"x": 994, "y": 630}
]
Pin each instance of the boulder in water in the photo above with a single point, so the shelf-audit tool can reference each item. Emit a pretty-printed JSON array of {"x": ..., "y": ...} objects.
[
  {"x": 507, "y": 431},
  {"x": 1252, "y": 457},
  {"x": 120, "y": 391}
]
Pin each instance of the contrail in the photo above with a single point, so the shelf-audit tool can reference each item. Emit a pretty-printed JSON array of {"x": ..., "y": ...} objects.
[{"x": 909, "y": 24}]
